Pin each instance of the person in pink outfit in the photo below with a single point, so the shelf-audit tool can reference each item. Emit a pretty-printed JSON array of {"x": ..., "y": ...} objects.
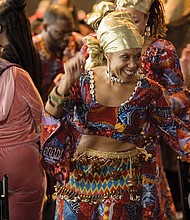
[{"x": 20, "y": 116}]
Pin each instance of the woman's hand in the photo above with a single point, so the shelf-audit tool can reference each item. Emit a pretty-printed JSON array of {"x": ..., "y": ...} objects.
[{"x": 73, "y": 69}]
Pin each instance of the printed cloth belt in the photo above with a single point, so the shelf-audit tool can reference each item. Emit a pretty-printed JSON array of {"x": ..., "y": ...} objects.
[{"x": 98, "y": 176}]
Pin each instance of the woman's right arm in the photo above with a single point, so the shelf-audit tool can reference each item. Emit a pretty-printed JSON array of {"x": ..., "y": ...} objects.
[{"x": 60, "y": 95}]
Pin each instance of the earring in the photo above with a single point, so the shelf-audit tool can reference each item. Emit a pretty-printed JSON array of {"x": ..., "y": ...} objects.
[
  {"x": 108, "y": 66},
  {"x": 147, "y": 31}
]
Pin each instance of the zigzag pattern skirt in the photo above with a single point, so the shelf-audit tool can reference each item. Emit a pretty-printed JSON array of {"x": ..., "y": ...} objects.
[{"x": 102, "y": 185}]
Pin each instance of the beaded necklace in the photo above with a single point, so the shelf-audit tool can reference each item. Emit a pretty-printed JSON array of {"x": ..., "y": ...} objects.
[{"x": 114, "y": 78}]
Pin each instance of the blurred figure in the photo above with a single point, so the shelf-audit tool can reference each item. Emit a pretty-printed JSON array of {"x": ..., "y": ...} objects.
[
  {"x": 55, "y": 44},
  {"x": 20, "y": 48},
  {"x": 37, "y": 18},
  {"x": 72, "y": 8},
  {"x": 20, "y": 118},
  {"x": 177, "y": 14},
  {"x": 84, "y": 28},
  {"x": 185, "y": 64}
]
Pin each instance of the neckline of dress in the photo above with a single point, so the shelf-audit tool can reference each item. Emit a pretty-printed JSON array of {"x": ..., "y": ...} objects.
[{"x": 92, "y": 91}]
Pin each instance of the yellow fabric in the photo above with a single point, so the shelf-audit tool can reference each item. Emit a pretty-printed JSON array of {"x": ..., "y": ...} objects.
[
  {"x": 99, "y": 11},
  {"x": 140, "y": 5},
  {"x": 95, "y": 52},
  {"x": 117, "y": 32},
  {"x": 177, "y": 12}
]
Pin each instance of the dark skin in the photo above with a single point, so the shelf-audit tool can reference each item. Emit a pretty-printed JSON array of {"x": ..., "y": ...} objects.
[
  {"x": 128, "y": 62},
  {"x": 57, "y": 36}
]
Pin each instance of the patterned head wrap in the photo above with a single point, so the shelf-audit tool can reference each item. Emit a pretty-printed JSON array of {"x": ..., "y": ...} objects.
[
  {"x": 100, "y": 10},
  {"x": 140, "y": 5},
  {"x": 116, "y": 32}
]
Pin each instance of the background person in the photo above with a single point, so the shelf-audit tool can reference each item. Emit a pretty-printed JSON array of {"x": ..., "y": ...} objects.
[
  {"x": 52, "y": 42},
  {"x": 160, "y": 63},
  {"x": 20, "y": 48},
  {"x": 177, "y": 14},
  {"x": 185, "y": 64},
  {"x": 37, "y": 18},
  {"x": 20, "y": 118}
]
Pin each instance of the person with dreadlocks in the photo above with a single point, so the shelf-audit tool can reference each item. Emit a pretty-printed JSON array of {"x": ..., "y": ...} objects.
[
  {"x": 160, "y": 63},
  {"x": 20, "y": 48},
  {"x": 20, "y": 117}
]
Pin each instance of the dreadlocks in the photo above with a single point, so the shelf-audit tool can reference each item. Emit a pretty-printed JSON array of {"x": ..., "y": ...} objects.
[
  {"x": 20, "y": 49},
  {"x": 156, "y": 20}
]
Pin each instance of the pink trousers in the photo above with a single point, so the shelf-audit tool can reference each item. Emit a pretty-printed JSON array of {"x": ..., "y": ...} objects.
[{"x": 27, "y": 182}]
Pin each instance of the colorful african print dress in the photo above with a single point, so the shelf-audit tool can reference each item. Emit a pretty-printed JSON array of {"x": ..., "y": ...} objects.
[
  {"x": 161, "y": 64},
  {"x": 94, "y": 185}
]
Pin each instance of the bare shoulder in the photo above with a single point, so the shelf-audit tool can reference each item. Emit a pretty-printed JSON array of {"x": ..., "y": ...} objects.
[{"x": 99, "y": 71}]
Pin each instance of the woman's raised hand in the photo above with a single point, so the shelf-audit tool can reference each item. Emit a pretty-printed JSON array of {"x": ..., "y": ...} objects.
[{"x": 73, "y": 68}]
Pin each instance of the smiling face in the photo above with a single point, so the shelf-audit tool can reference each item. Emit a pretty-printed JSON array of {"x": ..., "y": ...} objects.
[
  {"x": 140, "y": 19},
  {"x": 124, "y": 64}
]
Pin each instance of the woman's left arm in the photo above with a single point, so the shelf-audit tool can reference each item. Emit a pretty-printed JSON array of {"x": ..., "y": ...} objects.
[
  {"x": 161, "y": 63},
  {"x": 173, "y": 130}
]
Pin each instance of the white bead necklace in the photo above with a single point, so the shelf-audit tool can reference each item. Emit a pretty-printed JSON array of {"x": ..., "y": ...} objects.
[{"x": 114, "y": 78}]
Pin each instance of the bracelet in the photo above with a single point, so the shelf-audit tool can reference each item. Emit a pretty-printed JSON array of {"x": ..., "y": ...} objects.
[
  {"x": 55, "y": 96},
  {"x": 54, "y": 110},
  {"x": 54, "y": 105},
  {"x": 62, "y": 95}
]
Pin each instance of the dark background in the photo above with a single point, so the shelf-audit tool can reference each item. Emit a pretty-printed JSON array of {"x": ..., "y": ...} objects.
[{"x": 86, "y": 5}]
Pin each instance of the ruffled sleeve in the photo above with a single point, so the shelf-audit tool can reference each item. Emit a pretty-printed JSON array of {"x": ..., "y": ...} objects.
[
  {"x": 160, "y": 63},
  {"x": 173, "y": 130}
]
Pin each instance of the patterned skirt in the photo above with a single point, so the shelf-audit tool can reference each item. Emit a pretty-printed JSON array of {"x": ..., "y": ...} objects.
[{"x": 102, "y": 185}]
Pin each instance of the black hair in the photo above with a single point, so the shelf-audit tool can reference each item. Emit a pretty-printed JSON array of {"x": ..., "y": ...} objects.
[
  {"x": 156, "y": 20},
  {"x": 20, "y": 49},
  {"x": 55, "y": 12},
  {"x": 69, "y": 4}
]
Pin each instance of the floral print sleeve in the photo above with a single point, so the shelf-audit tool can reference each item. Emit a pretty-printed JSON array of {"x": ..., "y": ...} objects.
[
  {"x": 160, "y": 63},
  {"x": 173, "y": 130}
]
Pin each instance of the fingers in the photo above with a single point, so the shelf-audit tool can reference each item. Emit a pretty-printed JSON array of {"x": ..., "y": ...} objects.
[{"x": 73, "y": 68}]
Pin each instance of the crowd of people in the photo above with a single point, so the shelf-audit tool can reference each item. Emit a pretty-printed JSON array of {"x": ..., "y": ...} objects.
[{"x": 95, "y": 102}]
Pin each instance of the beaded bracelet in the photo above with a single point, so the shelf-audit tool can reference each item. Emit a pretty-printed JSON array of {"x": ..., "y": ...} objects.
[{"x": 55, "y": 96}]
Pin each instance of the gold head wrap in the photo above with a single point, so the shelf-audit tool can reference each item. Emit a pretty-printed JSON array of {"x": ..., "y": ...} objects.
[
  {"x": 140, "y": 5},
  {"x": 99, "y": 11},
  {"x": 116, "y": 32}
]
